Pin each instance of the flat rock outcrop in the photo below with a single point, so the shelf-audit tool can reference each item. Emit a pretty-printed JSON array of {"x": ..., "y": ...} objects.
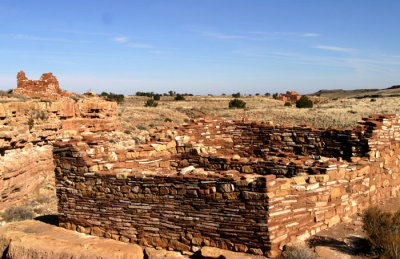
[
  {"x": 22, "y": 171},
  {"x": 35, "y": 239},
  {"x": 28, "y": 129}
]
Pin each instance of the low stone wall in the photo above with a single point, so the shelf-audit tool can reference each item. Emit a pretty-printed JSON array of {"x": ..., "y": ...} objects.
[
  {"x": 181, "y": 213},
  {"x": 204, "y": 193},
  {"x": 257, "y": 139},
  {"x": 22, "y": 171}
]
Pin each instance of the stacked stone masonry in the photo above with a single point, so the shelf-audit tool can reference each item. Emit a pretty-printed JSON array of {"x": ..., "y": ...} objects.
[
  {"x": 46, "y": 87},
  {"x": 27, "y": 132},
  {"x": 236, "y": 185}
]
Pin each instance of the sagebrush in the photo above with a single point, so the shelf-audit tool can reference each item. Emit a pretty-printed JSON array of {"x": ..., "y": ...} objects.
[{"x": 383, "y": 232}]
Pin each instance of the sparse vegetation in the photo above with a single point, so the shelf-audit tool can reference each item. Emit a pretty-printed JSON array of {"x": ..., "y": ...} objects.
[
  {"x": 179, "y": 97},
  {"x": 141, "y": 127},
  {"x": 383, "y": 232},
  {"x": 148, "y": 94},
  {"x": 167, "y": 120},
  {"x": 31, "y": 123},
  {"x": 10, "y": 94},
  {"x": 150, "y": 103},
  {"x": 304, "y": 102},
  {"x": 119, "y": 98},
  {"x": 237, "y": 103},
  {"x": 17, "y": 213},
  {"x": 236, "y": 95},
  {"x": 288, "y": 104},
  {"x": 323, "y": 114}
]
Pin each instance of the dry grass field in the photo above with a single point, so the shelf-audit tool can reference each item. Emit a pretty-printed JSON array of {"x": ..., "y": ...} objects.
[{"x": 338, "y": 113}]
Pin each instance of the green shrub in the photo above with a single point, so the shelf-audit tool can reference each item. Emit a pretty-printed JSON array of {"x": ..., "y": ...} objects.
[
  {"x": 119, "y": 98},
  {"x": 179, "y": 97},
  {"x": 287, "y": 104},
  {"x": 267, "y": 94},
  {"x": 17, "y": 214},
  {"x": 236, "y": 95},
  {"x": 148, "y": 94},
  {"x": 150, "y": 103},
  {"x": 237, "y": 103},
  {"x": 31, "y": 123},
  {"x": 304, "y": 102},
  {"x": 383, "y": 232},
  {"x": 373, "y": 100},
  {"x": 141, "y": 127},
  {"x": 275, "y": 95},
  {"x": 167, "y": 120},
  {"x": 156, "y": 97}
]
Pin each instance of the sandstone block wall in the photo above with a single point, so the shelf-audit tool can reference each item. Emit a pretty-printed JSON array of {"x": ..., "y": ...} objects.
[
  {"x": 162, "y": 194},
  {"x": 27, "y": 131},
  {"x": 175, "y": 212},
  {"x": 260, "y": 140},
  {"x": 46, "y": 87},
  {"x": 290, "y": 96}
]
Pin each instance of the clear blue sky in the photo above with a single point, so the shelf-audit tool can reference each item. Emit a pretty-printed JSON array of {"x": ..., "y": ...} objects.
[{"x": 202, "y": 46}]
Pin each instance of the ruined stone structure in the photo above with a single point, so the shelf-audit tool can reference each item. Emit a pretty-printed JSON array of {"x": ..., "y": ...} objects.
[
  {"x": 236, "y": 185},
  {"x": 27, "y": 131},
  {"x": 47, "y": 87},
  {"x": 290, "y": 96}
]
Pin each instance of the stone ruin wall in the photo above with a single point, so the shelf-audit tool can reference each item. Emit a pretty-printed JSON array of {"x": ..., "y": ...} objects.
[
  {"x": 290, "y": 96},
  {"x": 47, "y": 87},
  {"x": 255, "y": 193},
  {"x": 27, "y": 131}
]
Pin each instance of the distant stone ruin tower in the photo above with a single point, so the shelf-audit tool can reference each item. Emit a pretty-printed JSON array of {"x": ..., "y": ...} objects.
[{"x": 46, "y": 87}]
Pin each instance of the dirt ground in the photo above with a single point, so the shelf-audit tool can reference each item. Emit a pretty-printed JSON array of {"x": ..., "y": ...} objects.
[
  {"x": 337, "y": 112},
  {"x": 348, "y": 240}
]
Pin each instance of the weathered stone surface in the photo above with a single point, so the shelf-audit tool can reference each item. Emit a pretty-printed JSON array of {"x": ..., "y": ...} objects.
[
  {"x": 22, "y": 171},
  {"x": 213, "y": 252},
  {"x": 152, "y": 253},
  {"x": 34, "y": 239}
]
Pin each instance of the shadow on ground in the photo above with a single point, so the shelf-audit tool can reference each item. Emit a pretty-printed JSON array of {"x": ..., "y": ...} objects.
[
  {"x": 49, "y": 219},
  {"x": 352, "y": 245}
]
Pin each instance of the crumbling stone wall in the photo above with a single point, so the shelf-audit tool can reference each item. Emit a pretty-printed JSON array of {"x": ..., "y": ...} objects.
[
  {"x": 163, "y": 194},
  {"x": 290, "y": 96},
  {"x": 27, "y": 131},
  {"x": 243, "y": 138},
  {"x": 46, "y": 87}
]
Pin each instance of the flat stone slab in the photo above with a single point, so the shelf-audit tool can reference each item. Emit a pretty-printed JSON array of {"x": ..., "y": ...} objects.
[{"x": 35, "y": 239}]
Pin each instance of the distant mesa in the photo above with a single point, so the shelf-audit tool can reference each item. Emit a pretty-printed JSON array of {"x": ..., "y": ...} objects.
[{"x": 46, "y": 87}]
